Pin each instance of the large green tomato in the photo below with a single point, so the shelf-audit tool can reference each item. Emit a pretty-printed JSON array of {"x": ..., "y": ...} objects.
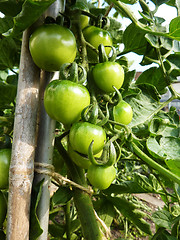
[
  {"x": 101, "y": 177},
  {"x": 108, "y": 74},
  {"x": 122, "y": 113},
  {"x": 96, "y": 36},
  {"x": 83, "y": 133},
  {"x": 52, "y": 45},
  {"x": 3, "y": 208},
  {"x": 5, "y": 158},
  {"x": 81, "y": 160},
  {"x": 64, "y": 100}
]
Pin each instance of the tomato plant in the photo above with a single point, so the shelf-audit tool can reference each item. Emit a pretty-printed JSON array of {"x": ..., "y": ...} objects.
[
  {"x": 108, "y": 74},
  {"x": 3, "y": 208},
  {"x": 5, "y": 158},
  {"x": 147, "y": 147},
  {"x": 64, "y": 100},
  {"x": 81, "y": 135},
  {"x": 101, "y": 177},
  {"x": 96, "y": 36},
  {"x": 52, "y": 45},
  {"x": 122, "y": 113}
]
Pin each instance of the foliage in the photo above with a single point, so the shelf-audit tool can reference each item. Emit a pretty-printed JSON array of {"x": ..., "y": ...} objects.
[{"x": 148, "y": 155}]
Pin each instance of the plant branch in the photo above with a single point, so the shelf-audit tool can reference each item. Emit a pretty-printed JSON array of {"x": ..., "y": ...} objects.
[
  {"x": 154, "y": 164},
  {"x": 123, "y": 7}
]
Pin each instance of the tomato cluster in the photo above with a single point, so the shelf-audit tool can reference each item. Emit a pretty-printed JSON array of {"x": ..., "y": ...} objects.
[{"x": 81, "y": 106}]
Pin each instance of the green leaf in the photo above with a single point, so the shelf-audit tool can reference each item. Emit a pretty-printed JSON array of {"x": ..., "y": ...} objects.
[
  {"x": 154, "y": 148},
  {"x": 9, "y": 56},
  {"x": 163, "y": 218},
  {"x": 134, "y": 40},
  {"x": 31, "y": 11},
  {"x": 174, "y": 28},
  {"x": 105, "y": 210},
  {"x": 11, "y": 7},
  {"x": 125, "y": 187},
  {"x": 5, "y": 24},
  {"x": 154, "y": 76},
  {"x": 7, "y": 94},
  {"x": 35, "y": 229},
  {"x": 174, "y": 165},
  {"x": 164, "y": 125},
  {"x": 56, "y": 230},
  {"x": 129, "y": 210},
  {"x": 171, "y": 146},
  {"x": 149, "y": 184},
  {"x": 143, "y": 107},
  {"x": 62, "y": 195},
  {"x": 174, "y": 63},
  {"x": 162, "y": 234}
]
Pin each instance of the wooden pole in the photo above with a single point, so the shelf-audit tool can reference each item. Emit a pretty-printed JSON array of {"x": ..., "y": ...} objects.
[{"x": 23, "y": 147}]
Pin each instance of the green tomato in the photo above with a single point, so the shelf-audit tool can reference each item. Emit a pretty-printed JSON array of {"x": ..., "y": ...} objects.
[
  {"x": 81, "y": 160},
  {"x": 108, "y": 74},
  {"x": 83, "y": 133},
  {"x": 101, "y": 177},
  {"x": 64, "y": 100},
  {"x": 5, "y": 158},
  {"x": 96, "y": 36},
  {"x": 52, "y": 45},
  {"x": 122, "y": 113},
  {"x": 3, "y": 209}
]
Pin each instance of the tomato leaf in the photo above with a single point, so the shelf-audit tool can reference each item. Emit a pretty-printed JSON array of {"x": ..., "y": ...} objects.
[
  {"x": 163, "y": 218},
  {"x": 9, "y": 56},
  {"x": 11, "y": 7},
  {"x": 62, "y": 195},
  {"x": 143, "y": 106},
  {"x": 129, "y": 210},
  {"x": 5, "y": 24},
  {"x": 153, "y": 76},
  {"x": 31, "y": 11},
  {"x": 174, "y": 28},
  {"x": 35, "y": 229},
  {"x": 7, "y": 94},
  {"x": 134, "y": 40},
  {"x": 174, "y": 165},
  {"x": 124, "y": 187}
]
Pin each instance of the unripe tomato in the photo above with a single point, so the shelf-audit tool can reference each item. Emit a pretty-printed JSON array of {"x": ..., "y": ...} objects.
[
  {"x": 96, "y": 36},
  {"x": 108, "y": 74},
  {"x": 83, "y": 133},
  {"x": 101, "y": 177},
  {"x": 52, "y": 45},
  {"x": 122, "y": 113},
  {"x": 79, "y": 160},
  {"x": 84, "y": 21},
  {"x": 5, "y": 158},
  {"x": 64, "y": 100},
  {"x": 3, "y": 209}
]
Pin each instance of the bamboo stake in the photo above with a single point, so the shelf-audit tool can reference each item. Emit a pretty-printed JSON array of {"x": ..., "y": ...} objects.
[{"x": 23, "y": 148}]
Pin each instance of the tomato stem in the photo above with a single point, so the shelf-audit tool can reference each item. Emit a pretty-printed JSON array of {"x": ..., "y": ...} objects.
[
  {"x": 154, "y": 164},
  {"x": 82, "y": 199}
]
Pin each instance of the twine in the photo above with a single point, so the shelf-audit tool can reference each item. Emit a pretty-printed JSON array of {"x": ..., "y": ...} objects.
[{"x": 48, "y": 169}]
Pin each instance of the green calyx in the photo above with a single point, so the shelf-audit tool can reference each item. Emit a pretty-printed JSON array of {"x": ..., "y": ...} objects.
[
  {"x": 73, "y": 72},
  {"x": 108, "y": 156},
  {"x": 103, "y": 56}
]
